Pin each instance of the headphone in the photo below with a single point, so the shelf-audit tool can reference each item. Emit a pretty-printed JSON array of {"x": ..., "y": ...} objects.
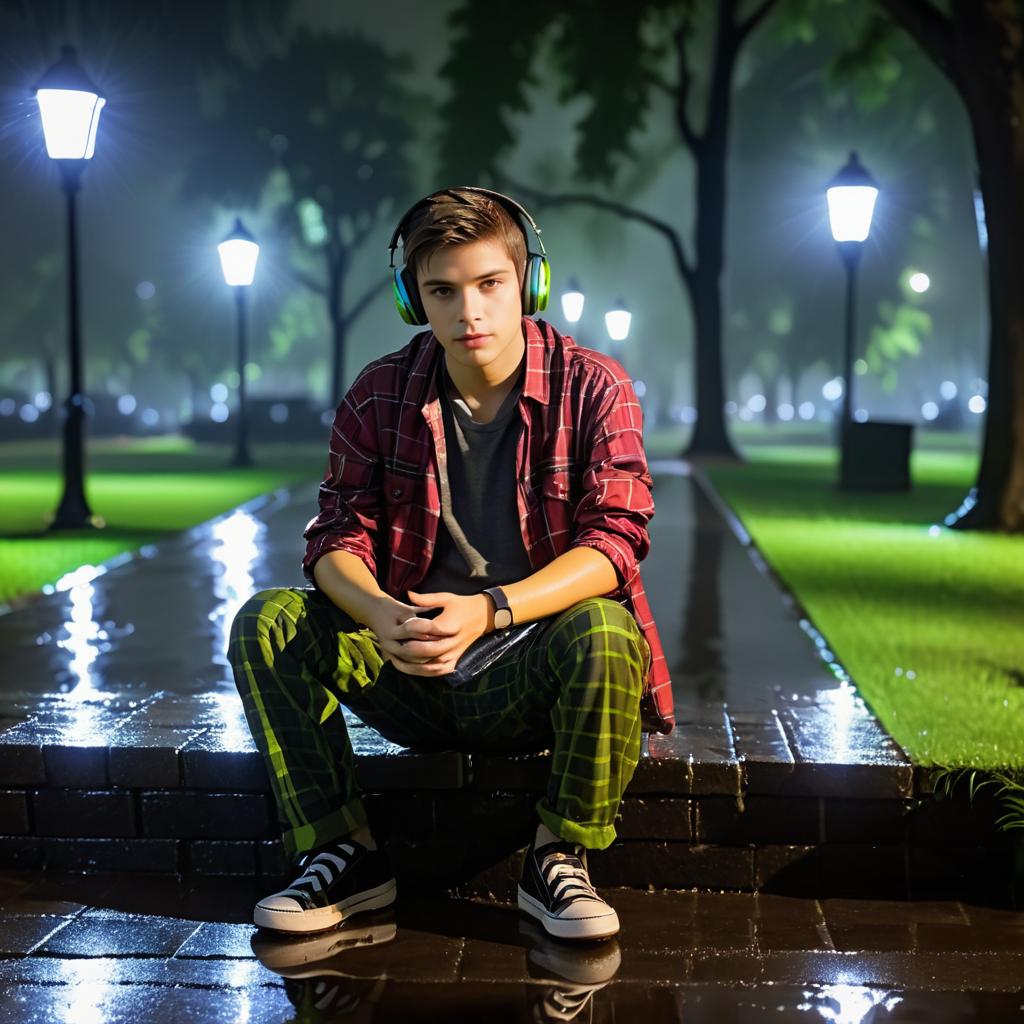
[{"x": 536, "y": 280}]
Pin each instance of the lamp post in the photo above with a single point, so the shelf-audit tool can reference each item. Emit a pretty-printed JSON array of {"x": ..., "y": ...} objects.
[
  {"x": 616, "y": 322},
  {"x": 851, "y": 202},
  {"x": 69, "y": 106},
  {"x": 238, "y": 255}
]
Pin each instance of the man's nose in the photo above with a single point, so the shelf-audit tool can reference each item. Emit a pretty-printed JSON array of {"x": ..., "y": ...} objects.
[{"x": 469, "y": 306}]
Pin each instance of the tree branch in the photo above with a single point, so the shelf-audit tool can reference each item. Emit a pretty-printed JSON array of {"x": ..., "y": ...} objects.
[
  {"x": 667, "y": 87},
  {"x": 744, "y": 28},
  {"x": 690, "y": 137},
  {"x": 309, "y": 282},
  {"x": 363, "y": 301},
  {"x": 541, "y": 199},
  {"x": 932, "y": 30}
]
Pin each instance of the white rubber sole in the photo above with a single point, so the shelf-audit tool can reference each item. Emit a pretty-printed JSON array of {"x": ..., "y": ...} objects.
[
  {"x": 602, "y": 926},
  {"x": 321, "y": 918}
]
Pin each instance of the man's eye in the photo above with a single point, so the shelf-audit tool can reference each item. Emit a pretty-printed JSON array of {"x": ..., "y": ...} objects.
[{"x": 437, "y": 291}]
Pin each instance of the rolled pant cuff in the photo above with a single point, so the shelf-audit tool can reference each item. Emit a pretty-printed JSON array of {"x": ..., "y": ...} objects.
[
  {"x": 341, "y": 822},
  {"x": 593, "y": 837}
]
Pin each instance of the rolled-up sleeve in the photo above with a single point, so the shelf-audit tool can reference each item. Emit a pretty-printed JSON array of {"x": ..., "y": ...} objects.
[
  {"x": 349, "y": 497},
  {"x": 617, "y": 501}
]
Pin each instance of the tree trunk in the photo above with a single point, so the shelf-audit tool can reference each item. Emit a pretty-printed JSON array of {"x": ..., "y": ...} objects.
[
  {"x": 979, "y": 46},
  {"x": 999, "y": 491},
  {"x": 710, "y": 436},
  {"x": 336, "y": 266},
  {"x": 771, "y": 395}
]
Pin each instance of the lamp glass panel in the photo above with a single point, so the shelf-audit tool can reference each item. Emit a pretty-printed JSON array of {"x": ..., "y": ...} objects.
[
  {"x": 979, "y": 217},
  {"x": 617, "y": 323},
  {"x": 849, "y": 211},
  {"x": 70, "y": 119},
  {"x": 572, "y": 306},
  {"x": 238, "y": 260}
]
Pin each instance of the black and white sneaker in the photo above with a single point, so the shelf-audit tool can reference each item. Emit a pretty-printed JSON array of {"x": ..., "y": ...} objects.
[
  {"x": 339, "y": 881},
  {"x": 555, "y": 888}
]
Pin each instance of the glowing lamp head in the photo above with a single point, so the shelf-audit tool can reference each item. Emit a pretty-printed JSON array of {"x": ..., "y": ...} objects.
[
  {"x": 238, "y": 255},
  {"x": 851, "y": 202},
  {"x": 70, "y": 106},
  {"x": 572, "y": 302},
  {"x": 616, "y": 322}
]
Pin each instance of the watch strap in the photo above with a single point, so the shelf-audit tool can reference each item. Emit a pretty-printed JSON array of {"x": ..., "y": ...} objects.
[{"x": 500, "y": 603}]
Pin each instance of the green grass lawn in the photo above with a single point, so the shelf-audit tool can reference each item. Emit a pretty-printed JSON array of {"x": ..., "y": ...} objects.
[
  {"x": 926, "y": 620},
  {"x": 143, "y": 489}
]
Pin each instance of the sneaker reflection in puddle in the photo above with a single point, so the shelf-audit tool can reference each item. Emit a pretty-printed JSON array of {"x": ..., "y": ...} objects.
[
  {"x": 324, "y": 999},
  {"x": 302, "y": 956},
  {"x": 575, "y": 971},
  {"x": 320, "y": 979}
]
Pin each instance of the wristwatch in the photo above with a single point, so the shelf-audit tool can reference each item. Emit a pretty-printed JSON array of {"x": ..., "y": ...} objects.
[{"x": 502, "y": 611}]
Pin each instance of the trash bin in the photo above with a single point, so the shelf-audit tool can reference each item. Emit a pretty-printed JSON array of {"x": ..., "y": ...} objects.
[{"x": 876, "y": 456}]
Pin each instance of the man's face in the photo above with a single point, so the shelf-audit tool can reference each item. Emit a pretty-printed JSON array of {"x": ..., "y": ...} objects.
[{"x": 472, "y": 289}]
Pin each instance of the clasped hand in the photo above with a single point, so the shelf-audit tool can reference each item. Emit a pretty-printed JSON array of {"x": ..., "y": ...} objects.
[{"x": 430, "y": 647}]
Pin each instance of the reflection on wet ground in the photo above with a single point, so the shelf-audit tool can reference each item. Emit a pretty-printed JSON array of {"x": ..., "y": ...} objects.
[
  {"x": 106, "y": 948},
  {"x": 159, "y": 621},
  {"x": 763, "y": 712}
]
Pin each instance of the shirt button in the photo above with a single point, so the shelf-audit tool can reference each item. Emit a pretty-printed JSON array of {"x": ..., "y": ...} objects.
[{"x": 396, "y": 492}]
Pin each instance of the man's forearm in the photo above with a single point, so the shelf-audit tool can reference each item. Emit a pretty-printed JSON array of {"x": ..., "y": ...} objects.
[
  {"x": 346, "y": 580},
  {"x": 573, "y": 576}
]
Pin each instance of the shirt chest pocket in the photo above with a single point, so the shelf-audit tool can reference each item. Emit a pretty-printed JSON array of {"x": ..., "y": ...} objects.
[
  {"x": 399, "y": 489},
  {"x": 554, "y": 490}
]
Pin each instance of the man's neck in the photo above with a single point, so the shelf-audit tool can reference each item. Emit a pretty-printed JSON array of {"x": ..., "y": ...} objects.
[{"x": 483, "y": 386}]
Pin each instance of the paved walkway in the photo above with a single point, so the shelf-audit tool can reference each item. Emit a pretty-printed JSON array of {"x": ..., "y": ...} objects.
[
  {"x": 159, "y": 621},
  {"x": 117, "y": 948}
]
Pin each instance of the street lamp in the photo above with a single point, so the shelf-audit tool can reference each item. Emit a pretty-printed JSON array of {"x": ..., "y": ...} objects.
[
  {"x": 69, "y": 106},
  {"x": 238, "y": 255},
  {"x": 851, "y": 202},
  {"x": 572, "y": 302},
  {"x": 616, "y": 322}
]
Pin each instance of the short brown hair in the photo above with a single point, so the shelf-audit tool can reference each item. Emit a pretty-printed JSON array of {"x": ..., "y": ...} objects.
[{"x": 455, "y": 216}]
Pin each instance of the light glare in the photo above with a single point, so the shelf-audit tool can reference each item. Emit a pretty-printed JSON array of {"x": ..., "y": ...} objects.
[
  {"x": 850, "y": 208},
  {"x": 572, "y": 306},
  {"x": 238, "y": 258},
  {"x": 70, "y": 119},
  {"x": 616, "y": 322}
]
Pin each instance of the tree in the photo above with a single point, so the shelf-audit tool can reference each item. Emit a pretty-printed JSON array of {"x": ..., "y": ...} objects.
[
  {"x": 614, "y": 55},
  {"x": 979, "y": 46},
  {"x": 331, "y": 115}
]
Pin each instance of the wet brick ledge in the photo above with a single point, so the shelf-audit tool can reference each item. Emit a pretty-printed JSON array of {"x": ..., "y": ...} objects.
[{"x": 758, "y": 801}]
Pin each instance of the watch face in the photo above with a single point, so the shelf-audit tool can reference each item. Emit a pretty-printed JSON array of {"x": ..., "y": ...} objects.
[{"x": 502, "y": 618}]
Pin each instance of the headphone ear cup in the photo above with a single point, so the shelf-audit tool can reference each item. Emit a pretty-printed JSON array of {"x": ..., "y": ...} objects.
[
  {"x": 407, "y": 298},
  {"x": 536, "y": 284}
]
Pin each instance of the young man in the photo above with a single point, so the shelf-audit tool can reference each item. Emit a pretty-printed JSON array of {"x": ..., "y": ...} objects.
[{"x": 495, "y": 470}]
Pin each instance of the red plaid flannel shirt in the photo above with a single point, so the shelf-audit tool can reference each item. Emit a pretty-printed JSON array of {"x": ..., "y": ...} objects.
[{"x": 581, "y": 467}]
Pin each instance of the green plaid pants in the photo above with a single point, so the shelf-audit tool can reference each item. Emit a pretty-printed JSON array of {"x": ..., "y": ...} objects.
[{"x": 575, "y": 690}]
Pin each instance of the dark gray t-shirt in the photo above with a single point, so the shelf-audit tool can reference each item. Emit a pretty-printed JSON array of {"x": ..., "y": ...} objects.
[{"x": 479, "y": 543}]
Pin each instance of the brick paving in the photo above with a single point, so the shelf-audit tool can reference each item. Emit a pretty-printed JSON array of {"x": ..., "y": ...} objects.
[
  {"x": 113, "y": 947},
  {"x": 137, "y": 829},
  {"x": 127, "y": 750}
]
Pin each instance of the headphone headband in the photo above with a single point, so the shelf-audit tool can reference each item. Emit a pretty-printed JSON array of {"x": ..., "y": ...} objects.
[{"x": 510, "y": 205}]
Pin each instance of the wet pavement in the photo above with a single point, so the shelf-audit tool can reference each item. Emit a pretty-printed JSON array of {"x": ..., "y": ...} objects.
[
  {"x": 117, "y": 948},
  {"x": 123, "y": 748},
  {"x": 159, "y": 621}
]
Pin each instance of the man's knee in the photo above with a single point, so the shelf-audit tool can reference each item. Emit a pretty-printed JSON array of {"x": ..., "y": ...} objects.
[
  {"x": 600, "y": 625},
  {"x": 266, "y": 610}
]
